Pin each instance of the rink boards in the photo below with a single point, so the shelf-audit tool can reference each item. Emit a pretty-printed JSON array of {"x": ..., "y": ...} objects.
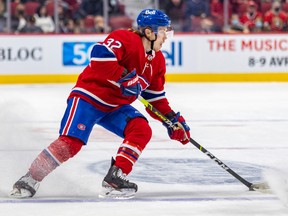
[{"x": 189, "y": 57}]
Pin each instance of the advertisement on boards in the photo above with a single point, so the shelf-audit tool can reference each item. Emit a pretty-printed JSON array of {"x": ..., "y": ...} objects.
[{"x": 185, "y": 53}]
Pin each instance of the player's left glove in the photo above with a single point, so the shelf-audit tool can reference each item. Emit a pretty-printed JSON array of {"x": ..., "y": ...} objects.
[
  {"x": 130, "y": 85},
  {"x": 180, "y": 130}
]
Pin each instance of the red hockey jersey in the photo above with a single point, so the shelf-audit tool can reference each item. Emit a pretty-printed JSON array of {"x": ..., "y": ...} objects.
[
  {"x": 276, "y": 21},
  {"x": 122, "y": 49},
  {"x": 250, "y": 20}
]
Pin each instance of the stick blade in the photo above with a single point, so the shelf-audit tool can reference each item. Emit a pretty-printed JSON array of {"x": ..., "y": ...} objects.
[{"x": 262, "y": 187}]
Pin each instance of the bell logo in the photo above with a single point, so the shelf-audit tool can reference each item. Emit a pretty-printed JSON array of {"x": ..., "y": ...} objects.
[
  {"x": 173, "y": 54},
  {"x": 150, "y": 12}
]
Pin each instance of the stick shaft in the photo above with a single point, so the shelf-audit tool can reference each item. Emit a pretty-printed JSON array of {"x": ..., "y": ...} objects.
[
  {"x": 196, "y": 144},
  {"x": 220, "y": 163}
]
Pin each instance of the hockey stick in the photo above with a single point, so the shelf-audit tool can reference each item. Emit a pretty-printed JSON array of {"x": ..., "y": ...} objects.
[{"x": 262, "y": 187}]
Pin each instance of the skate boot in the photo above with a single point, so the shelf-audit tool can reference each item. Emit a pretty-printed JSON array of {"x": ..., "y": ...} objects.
[
  {"x": 25, "y": 187},
  {"x": 115, "y": 185}
]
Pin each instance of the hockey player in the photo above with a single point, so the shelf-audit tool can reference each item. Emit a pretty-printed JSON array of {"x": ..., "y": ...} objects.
[{"x": 127, "y": 63}]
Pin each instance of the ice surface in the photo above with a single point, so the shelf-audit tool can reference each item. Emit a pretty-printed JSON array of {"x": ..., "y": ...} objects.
[
  {"x": 277, "y": 180},
  {"x": 243, "y": 124}
]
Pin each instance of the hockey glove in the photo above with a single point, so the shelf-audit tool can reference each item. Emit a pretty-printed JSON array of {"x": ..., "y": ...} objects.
[
  {"x": 130, "y": 85},
  {"x": 180, "y": 130}
]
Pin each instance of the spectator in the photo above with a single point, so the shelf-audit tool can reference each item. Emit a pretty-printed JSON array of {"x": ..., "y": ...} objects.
[
  {"x": 99, "y": 24},
  {"x": 70, "y": 27},
  {"x": 251, "y": 15},
  {"x": 116, "y": 8},
  {"x": 208, "y": 26},
  {"x": 175, "y": 9},
  {"x": 89, "y": 24},
  {"x": 236, "y": 26},
  {"x": 73, "y": 5},
  {"x": 275, "y": 20},
  {"x": 265, "y": 6},
  {"x": 90, "y": 7},
  {"x": 238, "y": 6},
  {"x": 198, "y": 8},
  {"x": 285, "y": 6},
  {"x": 43, "y": 20},
  {"x": 216, "y": 9},
  {"x": 63, "y": 16},
  {"x": 30, "y": 26},
  {"x": 79, "y": 26},
  {"x": 195, "y": 10},
  {"x": 258, "y": 25},
  {"x": 18, "y": 21}
]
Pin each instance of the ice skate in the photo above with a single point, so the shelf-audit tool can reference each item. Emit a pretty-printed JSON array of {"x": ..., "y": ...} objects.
[
  {"x": 25, "y": 187},
  {"x": 115, "y": 185}
]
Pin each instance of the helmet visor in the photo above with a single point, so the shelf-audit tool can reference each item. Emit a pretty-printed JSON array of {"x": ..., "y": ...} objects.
[{"x": 167, "y": 31}]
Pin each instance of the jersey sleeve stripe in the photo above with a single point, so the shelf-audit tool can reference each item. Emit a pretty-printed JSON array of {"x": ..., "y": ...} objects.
[
  {"x": 154, "y": 92},
  {"x": 103, "y": 59},
  {"x": 101, "y": 51},
  {"x": 151, "y": 96},
  {"x": 93, "y": 97},
  {"x": 156, "y": 99}
]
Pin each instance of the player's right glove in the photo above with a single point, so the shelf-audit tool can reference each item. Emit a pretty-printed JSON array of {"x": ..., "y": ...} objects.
[
  {"x": 180, "y": 130},
  {"x": 130, "y": 85}
]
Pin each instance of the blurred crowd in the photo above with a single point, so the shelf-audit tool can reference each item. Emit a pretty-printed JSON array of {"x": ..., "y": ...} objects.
[
  {"x": 243, "y": 16},
  {"x": 87, "y": 16}
]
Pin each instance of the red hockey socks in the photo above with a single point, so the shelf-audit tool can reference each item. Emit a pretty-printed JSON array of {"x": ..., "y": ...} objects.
[
  {"x": 137, "y": 134},
  {"x": 50, "y": 158}
]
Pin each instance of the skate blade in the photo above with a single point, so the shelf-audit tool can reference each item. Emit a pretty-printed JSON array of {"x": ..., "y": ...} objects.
[
  {"x": 20, "y": 193},
  {"x": 112, "y": 193}
]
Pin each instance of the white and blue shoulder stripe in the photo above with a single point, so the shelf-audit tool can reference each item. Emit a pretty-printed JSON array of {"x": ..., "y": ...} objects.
[{"x": 100, "y": 52}]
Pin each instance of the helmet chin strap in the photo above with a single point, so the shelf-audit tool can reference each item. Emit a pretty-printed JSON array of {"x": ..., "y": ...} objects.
[{"x": 152, "y": 41}]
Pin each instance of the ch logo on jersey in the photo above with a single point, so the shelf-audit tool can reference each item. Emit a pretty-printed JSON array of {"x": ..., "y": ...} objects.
[
  {"x": 81, "y": 126},
  {"x": 149, "y": 57}
]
